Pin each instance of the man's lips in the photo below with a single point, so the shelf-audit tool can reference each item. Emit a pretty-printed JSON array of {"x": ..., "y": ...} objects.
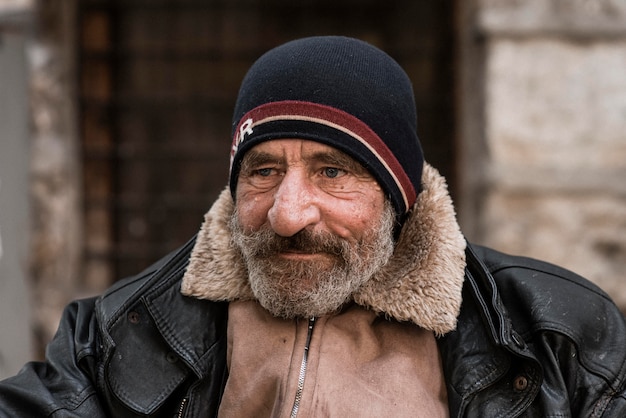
[{"x": 302, "y": 255}]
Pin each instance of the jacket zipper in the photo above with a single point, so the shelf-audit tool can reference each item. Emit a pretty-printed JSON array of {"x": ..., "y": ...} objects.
[
  {"x": 303, "y": 365},
  {"x": 181, "y": 408}
]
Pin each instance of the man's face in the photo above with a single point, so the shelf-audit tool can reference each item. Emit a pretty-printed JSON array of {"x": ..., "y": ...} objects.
[{"x": 313, "y": 226}]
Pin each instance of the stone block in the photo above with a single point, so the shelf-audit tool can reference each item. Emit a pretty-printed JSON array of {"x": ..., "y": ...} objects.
[
  {"x": 572, "y": 18},
  {"x": 559, "y": 104}
]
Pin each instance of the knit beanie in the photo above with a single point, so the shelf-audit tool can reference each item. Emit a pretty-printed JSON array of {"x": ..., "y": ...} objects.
[{"x": 341, "y": 92}]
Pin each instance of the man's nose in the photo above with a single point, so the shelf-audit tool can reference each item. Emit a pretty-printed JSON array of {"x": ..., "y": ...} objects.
[{"x": 294, "y": 207}]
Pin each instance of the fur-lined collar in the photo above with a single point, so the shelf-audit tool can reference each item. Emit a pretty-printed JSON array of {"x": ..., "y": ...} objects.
[{"x": 421, "y": 283}]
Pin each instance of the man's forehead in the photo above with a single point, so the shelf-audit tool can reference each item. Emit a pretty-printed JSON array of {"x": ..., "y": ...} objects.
[{"x": 282, "y": 150}]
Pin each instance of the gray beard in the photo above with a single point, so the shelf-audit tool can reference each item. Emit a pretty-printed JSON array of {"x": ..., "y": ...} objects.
[{"x": 304, "y": 289}]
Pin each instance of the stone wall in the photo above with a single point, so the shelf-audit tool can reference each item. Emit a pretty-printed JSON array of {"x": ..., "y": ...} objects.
[
  {"x": 55, "y": 167},
  {"x": 15, "y": 336},
  {"x": 552, "y": 182}
]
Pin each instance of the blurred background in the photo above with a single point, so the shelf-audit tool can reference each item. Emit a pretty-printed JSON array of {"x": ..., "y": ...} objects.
[{"x": 115, "y": 129}]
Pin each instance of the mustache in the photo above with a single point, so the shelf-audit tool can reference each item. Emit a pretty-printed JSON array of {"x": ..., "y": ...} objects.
[{"x": 265, "y": 243}]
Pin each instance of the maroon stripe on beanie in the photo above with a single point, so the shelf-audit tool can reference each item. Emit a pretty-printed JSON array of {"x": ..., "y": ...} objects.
[{"x": 332, "y": 117}]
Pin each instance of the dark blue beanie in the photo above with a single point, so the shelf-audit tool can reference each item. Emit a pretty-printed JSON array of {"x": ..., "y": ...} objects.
[{"x": 341, "y": 92}]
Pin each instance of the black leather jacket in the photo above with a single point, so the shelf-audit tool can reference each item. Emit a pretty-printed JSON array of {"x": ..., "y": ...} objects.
[{"x": 533, "y": 340}]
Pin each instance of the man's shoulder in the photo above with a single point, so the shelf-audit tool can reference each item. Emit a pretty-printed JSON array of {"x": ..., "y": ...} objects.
[
  {"x": 525, "y": 274},
  {"x": 540, "y": 296},
  {"x": 132, "y": 288},
  {"x": 565, "y": 320},
  {"x": 515, "y": 270}
]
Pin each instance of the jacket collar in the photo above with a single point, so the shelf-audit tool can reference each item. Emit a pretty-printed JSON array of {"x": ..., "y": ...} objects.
[{"x": 421, "y": 283}]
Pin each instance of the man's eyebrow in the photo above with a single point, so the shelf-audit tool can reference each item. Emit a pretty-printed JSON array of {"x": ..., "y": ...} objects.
[
  {"x": 338, "y": 159},
  {"x": 256, "y": 158}
]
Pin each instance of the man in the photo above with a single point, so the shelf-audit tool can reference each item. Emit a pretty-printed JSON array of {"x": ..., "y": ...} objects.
[{"x": 331, "y": 279}]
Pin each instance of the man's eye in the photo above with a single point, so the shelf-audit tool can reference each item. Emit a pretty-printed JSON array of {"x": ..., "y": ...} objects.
[
  {"x": 264, "y": 172},
  {"x": 332, "y": 172}
]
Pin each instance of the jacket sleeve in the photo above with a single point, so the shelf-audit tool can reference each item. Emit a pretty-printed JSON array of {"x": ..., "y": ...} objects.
[{"x": 64, "y": 384}]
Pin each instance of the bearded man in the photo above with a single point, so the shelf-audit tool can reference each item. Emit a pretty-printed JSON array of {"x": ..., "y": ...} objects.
[{"x": 331, "y": 279}]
